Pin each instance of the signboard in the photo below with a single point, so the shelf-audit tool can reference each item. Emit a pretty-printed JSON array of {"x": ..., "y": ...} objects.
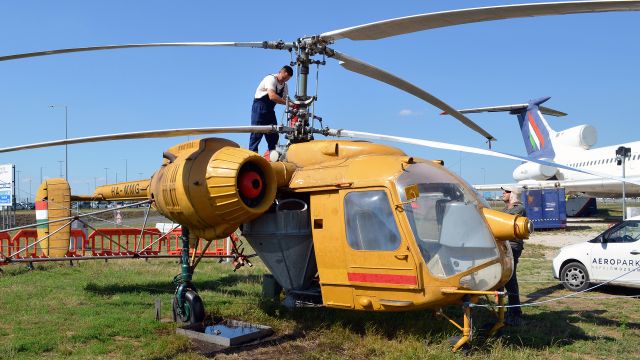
[{"x": 6, "y": 185}]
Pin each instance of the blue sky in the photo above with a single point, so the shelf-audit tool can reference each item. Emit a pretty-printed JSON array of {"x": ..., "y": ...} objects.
[{"x": 587, "y": 63}]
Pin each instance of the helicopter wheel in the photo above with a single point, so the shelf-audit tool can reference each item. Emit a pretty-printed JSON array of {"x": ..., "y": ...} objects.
[{"x": 193, "y": 309}]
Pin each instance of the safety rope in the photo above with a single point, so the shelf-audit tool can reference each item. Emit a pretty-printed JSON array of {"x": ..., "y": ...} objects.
[
  {"x": 557, "y": 298},
  {"x": 142, "y": 230},
  {"x": 89, "y": 215}
]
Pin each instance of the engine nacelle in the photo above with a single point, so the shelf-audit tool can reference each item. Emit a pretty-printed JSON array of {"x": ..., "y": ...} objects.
[
  {"x": 533, "y": 171},
  {"x": 584, "y": 136},
  {"x": 212, "y": 186}
]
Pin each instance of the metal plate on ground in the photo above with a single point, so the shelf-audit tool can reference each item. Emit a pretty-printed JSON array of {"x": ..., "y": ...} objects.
[{"x": 226, "y": 333}]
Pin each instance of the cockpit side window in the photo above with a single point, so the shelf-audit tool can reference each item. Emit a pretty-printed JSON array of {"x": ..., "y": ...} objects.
[{"x": 369, "y": 221}]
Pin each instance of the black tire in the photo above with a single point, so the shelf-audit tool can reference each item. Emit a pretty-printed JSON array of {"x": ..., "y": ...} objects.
[
  {"x": 574, "y": 277},
  {"x": 174, "y": 306},
  {"x": 195, "y": 309}
]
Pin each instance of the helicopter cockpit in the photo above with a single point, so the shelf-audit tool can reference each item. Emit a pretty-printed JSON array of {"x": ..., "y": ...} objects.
[{"x": 448, "y": 227}]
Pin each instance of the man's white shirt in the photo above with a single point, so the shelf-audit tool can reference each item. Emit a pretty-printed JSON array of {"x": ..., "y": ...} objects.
[{"x": 270, "y": 83}]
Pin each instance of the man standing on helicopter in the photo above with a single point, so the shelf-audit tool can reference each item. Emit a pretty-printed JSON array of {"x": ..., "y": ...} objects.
[
  {"x": 513, "y": 206},
  {"x": 272, "y": 90}
]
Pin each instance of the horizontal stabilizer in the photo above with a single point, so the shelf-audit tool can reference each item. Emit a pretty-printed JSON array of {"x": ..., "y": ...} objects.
[{"x": 510, "y": 108}]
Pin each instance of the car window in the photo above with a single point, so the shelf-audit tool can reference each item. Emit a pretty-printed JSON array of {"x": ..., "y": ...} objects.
[{"x": 628, "y": 232}]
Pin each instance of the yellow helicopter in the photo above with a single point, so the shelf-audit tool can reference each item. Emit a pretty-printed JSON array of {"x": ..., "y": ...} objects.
[{"x": 339, "y": 223}]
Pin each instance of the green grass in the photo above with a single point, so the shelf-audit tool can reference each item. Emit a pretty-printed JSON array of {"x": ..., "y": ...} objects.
[{"x": 106, "y": 310}]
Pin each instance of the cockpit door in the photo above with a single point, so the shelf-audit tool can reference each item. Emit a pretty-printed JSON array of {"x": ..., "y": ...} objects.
[{"x": 378, "y": 255}]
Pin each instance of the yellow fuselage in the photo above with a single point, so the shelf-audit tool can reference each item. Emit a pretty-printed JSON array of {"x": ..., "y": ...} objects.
[{"x": 433, "y": 232}]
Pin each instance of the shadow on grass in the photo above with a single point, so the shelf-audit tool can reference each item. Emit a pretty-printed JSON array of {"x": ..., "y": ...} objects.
[
  {"x": 541, "y": 293},
  {"x": 167, "y": 287},
  {"x": 552, "y": 328},
  {"x": 389, "y": 325},
  {"x": 556, "y": 328},
  {"x": 618, "y": 290}
]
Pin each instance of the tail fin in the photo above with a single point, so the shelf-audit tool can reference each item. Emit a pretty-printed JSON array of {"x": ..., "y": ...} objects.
[
  {"x": 53, "y": 202},
  {"x": 536, "y": 132}
]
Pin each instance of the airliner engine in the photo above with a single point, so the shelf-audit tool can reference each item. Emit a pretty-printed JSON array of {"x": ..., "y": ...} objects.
[
  {"x": 533, "y": 171},
  {"x": 584, "y": 136}
]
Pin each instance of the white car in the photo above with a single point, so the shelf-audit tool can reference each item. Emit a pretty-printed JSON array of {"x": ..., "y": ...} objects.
[{"x": 613, "y": 255}]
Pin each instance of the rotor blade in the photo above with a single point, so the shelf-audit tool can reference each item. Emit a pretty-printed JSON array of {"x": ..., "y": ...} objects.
[
  {"x": 259, "y": 44},
  {"x": 409, "y": 24},
  {"x": 149, "y": 134},
  {"x": 467, "y": 149},
  {"x": 371, "y": 71}
]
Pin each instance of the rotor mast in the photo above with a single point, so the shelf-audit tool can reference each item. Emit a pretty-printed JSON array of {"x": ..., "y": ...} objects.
[
  {"x": 303, "y": 74},
  {"x": 305, "y": 49}
]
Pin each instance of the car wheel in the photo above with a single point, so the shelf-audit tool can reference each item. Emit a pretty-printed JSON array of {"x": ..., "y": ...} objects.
[{"x": 574, "y": 277}]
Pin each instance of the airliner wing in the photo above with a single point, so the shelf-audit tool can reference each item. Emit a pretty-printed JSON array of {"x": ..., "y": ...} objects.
[
  {"x": 493, "y": 187},
  {"x": 592, "y": 187}
]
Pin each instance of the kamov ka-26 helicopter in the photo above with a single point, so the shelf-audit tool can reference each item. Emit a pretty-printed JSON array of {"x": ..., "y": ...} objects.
[{"x": 339, "y": 223}]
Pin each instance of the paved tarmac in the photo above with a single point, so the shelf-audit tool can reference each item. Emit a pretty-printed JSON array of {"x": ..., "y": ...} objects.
[{"x": 577, "y": 231}]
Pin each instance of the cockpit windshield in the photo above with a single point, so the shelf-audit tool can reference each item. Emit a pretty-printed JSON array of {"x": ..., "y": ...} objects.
[{"x": 447, "y": 224}]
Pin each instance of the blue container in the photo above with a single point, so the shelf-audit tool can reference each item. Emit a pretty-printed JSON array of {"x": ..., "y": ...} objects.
[{"x": 546, "y": 208}]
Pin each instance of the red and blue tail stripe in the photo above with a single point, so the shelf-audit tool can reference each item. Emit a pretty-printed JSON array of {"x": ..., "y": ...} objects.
[{"x": 535, "y": 131}]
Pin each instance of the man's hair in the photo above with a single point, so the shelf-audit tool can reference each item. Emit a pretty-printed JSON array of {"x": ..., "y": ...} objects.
[
  {"x": 288, "y": 69},
  {"x": 514, "y": 198}
]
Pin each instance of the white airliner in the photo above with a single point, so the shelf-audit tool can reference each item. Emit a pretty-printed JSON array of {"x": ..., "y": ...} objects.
[{"x": 571, "y": 147}]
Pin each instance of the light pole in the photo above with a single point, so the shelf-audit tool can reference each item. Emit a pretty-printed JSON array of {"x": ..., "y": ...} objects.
[
  {"x": 18, "y": 184},
  {"x": 106, "y": 176},
  {"x": 60, "y": 162},
  {"x": 66, "y": 135},
  {"x": 95, "y": 186},
  {"x": 41, "y": 173},
  {"x": 622, "y": 153},
  {"x": 126, "y": 169}
]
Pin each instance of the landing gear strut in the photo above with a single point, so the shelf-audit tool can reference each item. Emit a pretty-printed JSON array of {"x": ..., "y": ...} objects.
[
  {"x": 468, "y": 300},
  {"x": 187, "y": 304}
]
